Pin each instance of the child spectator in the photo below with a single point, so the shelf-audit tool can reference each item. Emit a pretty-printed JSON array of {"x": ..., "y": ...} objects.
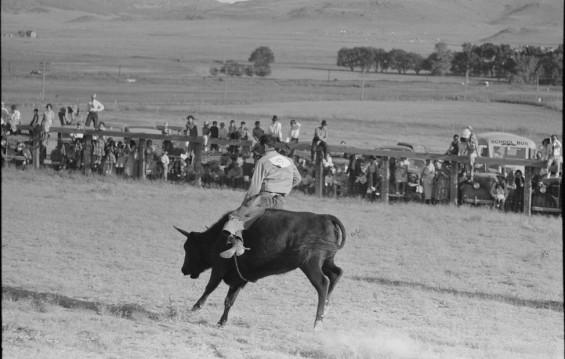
[
  {"x": 120, "y": 158},
  {"x": 165, "y": 164}
]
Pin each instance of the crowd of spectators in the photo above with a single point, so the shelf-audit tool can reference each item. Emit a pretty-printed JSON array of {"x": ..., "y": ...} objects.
[{"x": 232, "y": 165}]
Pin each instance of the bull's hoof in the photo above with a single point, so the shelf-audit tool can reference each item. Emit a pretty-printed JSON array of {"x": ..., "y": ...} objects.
[
  {"x": 196, "y": 307},
  {"x": 220, "y": 324},
  {"x": 318, "y": 325}
]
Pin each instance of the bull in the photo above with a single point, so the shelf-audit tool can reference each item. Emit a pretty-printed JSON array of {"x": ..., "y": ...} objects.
[{"x": 279, "y": 241}]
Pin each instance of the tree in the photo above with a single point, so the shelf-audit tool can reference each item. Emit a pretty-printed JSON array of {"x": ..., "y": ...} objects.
[
  {"x": 440, "y": 60},
  {"x": 416, "y": 62},
  {"x": 381, "y": 59},
  {"x": 399, "y": 60},
  {"x": 262, "y": 56}
]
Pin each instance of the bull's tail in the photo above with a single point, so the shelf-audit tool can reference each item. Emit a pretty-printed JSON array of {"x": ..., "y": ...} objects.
[{"x": 339, "y": 231}]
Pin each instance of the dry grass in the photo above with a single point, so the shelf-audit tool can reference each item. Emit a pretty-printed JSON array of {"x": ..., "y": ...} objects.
[
  {"x": 91, "y": 266},
  {"x": 419, "y": 282}
]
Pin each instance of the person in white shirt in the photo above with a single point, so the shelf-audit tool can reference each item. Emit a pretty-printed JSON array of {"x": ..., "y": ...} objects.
[
  {"x": 555, "y": 159},
  {"x": 15, "y": 119},
  {"x": 275, "y": 129},
  {"x": 94, "y": 107},
  {"x": 294, "y": 131},
  {"x": 165, "y": 162}
]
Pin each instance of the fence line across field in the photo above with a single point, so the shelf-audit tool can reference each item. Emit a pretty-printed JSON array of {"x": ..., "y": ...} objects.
[{"x": 386, "y": 155}]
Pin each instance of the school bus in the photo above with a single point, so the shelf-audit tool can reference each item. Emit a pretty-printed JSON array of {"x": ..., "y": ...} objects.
[{"x": 505, "y": 145}]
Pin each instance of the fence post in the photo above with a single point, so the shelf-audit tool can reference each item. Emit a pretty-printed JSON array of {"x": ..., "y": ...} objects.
[
  {"x": 385, "y": 187},
  {"x": 528, "y": 191},
  {"x": 141, "y": 156},
  {"x": 319, "y": 170},
  {"x": 197, "y": 162},
  {"x": 87, "y": 155},
  {"x": 36, "y": 154},
  {"x": 453, "y": 183}
]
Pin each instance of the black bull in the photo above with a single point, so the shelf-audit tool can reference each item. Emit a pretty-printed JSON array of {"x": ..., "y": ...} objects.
[{"x": 279, "y": 241}]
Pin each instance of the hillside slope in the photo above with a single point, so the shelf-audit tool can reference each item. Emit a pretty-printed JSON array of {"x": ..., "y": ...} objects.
[{"x": 538, "y": 22}]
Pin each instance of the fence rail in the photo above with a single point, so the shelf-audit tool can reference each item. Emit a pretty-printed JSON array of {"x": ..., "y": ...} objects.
[{"x": 385, "y": 155}]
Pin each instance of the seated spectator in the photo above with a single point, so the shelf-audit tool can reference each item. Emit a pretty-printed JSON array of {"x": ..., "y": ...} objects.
[
  {"x": 498, "y": 193},
  {"x": 454, "y": 146},
  {"x": 327, "y": 164},
  {"x": 23, "y": 151}
]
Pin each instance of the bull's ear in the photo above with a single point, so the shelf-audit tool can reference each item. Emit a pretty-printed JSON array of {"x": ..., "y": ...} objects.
[{"x": 182, "y": 231}]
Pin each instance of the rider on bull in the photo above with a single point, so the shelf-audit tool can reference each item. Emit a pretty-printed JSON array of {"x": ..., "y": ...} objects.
[{"x": 273, "y": 178}]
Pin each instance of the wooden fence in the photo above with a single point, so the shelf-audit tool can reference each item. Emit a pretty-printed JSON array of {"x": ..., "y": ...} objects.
[{"x": 385, "y": 155}]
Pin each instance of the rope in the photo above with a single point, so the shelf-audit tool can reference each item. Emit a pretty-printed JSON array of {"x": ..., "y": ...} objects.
[{"x": 237, "y": 268}]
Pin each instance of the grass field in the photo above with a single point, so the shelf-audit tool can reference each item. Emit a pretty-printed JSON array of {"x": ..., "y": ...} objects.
[
  {"x": 91, "y": 268},
  {"x": 91, "y": 265}
]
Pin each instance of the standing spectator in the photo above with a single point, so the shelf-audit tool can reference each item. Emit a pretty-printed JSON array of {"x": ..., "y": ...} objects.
[
  {"x": 214, "y": 133},
  {"x": 470, "y": 148},
  {"x": 294, "y": 132},
  {"x": 97, "y": 154},
  {"x": 275, "y": 129},
  {"x": 427, "y": 178},
  {"x": 519, "y": 182},
  {"x": 401, "y": 176},
  {"x": 131, "y": 164},
  {"x": 5, "y": 115},
  {"x": 165, "y": 163},
  {"x": 243, "y": 131},
  {"x": 149, "y": 158},
  {"x": 190, "y": 128},
  {"x": 320, "y": 140},
  {"x": 233, "y": 134},
  {"x": 372, "y": 176},
  {"x": 35, "y": 119},
  {"x": 206, "y": 134},
  {"x": 554, "y": 161},
  {"x": 223, "y": 133},
  {"x": 15, "y": 119},
  {"x": 94, "y": 107},
  {"x": 120, "y": 158},
  {"x": 257, "y": 132},
  {"x": 46, "y": 123},
  {"x": 109, "y": 158},
  {"x": 192, "y": 131}
]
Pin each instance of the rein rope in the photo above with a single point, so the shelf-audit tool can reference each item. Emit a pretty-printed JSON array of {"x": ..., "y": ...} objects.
[{"x": 237, "y": 269}]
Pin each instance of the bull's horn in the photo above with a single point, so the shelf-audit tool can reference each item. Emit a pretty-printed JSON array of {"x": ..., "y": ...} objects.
[{"x": 182, "y": 231}]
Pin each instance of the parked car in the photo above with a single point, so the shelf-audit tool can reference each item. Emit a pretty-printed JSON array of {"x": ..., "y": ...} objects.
[
  {"x": 477, "y": 191},
  {"x": 546, "y": 195}
]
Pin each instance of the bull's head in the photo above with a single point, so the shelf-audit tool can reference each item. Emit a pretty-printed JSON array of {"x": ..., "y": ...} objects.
[{"x": 193, "y": 260}]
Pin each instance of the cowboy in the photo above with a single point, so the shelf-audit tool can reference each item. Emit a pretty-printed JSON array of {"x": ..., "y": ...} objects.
[
  {"x": 273, "y": 178},
  {"x": 94, "y": 107}
]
